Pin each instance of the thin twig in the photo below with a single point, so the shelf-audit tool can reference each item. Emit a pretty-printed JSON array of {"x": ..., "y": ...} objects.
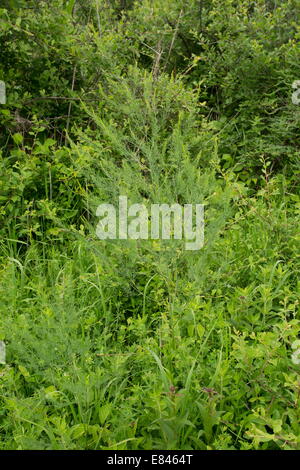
[
  {"x": 173, "y": 38},
  {"x": 98, "y": 17},
  {"x": 114, "y": 354},
  {"x": 155, "y": 68},
  {"x": 70, "y": 104},
  {"x": 62, "y": 98}
]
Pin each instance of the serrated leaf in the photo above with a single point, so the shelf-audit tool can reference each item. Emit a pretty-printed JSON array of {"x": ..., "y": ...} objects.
[{"x": 104, "y": 412}]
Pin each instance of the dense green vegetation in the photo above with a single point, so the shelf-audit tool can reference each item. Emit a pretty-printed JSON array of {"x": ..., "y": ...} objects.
[{"x": 143, "y": 344}]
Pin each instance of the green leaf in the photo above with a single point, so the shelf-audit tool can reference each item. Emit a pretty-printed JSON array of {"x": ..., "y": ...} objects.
[
  {"x": 18, "y": 138},
  {"x": 104, "y": 412}
]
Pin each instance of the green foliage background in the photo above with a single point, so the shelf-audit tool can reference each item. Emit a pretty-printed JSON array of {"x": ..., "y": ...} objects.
[{"x": 142, "y": 344}]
